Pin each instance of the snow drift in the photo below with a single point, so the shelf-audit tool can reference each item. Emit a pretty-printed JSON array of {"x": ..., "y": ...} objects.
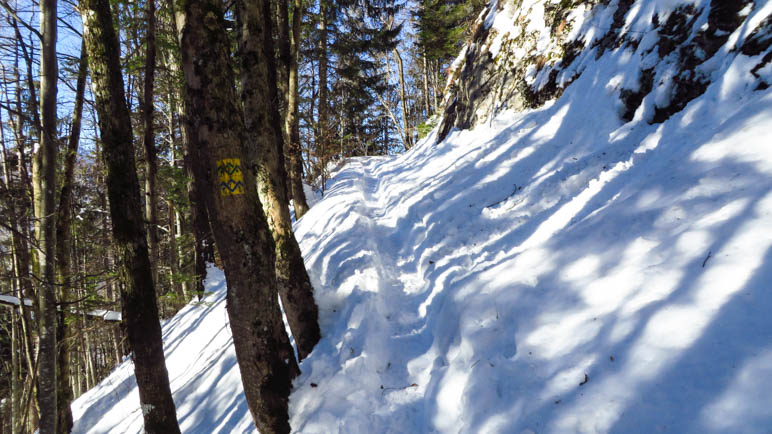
[{"x": 557, "y": 269}]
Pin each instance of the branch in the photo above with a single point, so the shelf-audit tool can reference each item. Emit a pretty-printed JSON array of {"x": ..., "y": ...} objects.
[{"x": 11, "y": 11}]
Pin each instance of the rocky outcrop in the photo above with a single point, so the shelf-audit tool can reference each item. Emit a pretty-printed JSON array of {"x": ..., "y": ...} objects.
[{"x": 523, "y": 53}]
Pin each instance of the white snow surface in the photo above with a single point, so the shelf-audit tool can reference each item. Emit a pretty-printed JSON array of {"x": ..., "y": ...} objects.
[{"x": 551, "y": 271}]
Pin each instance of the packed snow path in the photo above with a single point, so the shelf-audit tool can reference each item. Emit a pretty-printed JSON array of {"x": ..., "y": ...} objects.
[{"x": 556, "y": 270}]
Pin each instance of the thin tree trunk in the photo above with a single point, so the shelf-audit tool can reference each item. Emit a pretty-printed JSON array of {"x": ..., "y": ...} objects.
[
  {"x": 392, "y": 116},
  {"x": 63, "y": 221},
  {"x": 402, "y": 96},
  {"x": 180, "y": 225},
  {"x": 322, "y": 137},
  {"x": 20, "y": 257},
  {"x": 203, "y": 249},
  {"x": 292, "y": 121},
  {"x": 89, "y": 365},
  {"x": 426, "y": 87},
  {"x": 108, "y": 261},
  {"x": 139, "y": 302},
  {"x": 218, "y": 138},
  {"x": 173, "y": 256},
  {"x": 437, "y": 85},
  {"x": 265, "y": 140},
  {"x": 151, "y": 158},
  {"x": 44, "y": 169},
  {"x": 16, "y": 383}
]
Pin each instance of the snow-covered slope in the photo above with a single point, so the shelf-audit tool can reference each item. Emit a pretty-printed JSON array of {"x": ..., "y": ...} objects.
[{"x": 552, "y": 270}]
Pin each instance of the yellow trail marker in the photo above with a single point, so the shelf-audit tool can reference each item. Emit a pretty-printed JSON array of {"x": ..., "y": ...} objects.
[{"x": 231, "y": 178}]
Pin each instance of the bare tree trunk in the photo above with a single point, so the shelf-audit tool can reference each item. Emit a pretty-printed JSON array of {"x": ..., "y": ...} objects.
[
  {"x": 20, "y": 260},
  {"x": 402, "y": 95},
  {"x": 203, "y": 248},
  {"x": 426, "y": 87},
  {"x": 322, "y": 137},
  {"x": 108, "y": 260},
  {"x": 89, "y": 361},
  {"x": 44, "y": 169},
  {"x": 174, "y": 259},
  {"x": 285, "y": 55},
  {"x": 292, "y": 121},
  {"x": 218, "y": 138},
  {"x": 16, "y": 383},
  {"x": 437, "y": 85},
  {"x": 63, "y": 221},
  {"x": 139, "y": 301},
  {"x": 264, "y": 139},
  {"x": 151, "y": 158}
]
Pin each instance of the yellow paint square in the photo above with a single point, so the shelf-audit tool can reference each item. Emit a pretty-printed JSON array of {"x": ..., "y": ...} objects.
[{"x": 231, "y": 178}]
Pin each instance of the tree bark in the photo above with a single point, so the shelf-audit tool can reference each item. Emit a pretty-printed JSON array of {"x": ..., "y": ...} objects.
[
  {"x": 292, "y": 121},
  {"x": 44, "y": 169},
  {"x": 63, "y": 221},
  {"x": 140, "y": 310},
  {"x": 16, "y": 383},
  {"x": 203, "y": 247},
  {"x": 174, "y": 259},
  {"x": 426, "y": 87},
  {"x": 151, "y": 158},
  {"x": 402, "y": 95},
  {"x": 265, "y": 147},
  {"x": 285, "y": 57},
  {"x": 322, "y": 137},
  {"x": 217, "y": 134},
  {"x": 16, "y": 337}
]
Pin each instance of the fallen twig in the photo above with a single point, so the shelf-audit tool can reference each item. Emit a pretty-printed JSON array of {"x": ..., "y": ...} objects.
[{"x": 706, "y": 259}]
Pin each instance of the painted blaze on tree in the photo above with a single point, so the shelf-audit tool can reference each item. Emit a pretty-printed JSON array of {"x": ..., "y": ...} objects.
[{"x": 231, "y": 178}]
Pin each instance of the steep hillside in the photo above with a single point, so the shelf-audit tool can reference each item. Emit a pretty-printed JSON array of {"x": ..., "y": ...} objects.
[
  {"x": 662, "y": 53},
  {"x": 559, "y": 268}
]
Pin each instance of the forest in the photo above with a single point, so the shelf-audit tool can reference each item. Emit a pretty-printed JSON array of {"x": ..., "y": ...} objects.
[
  {"x": 135, "y": 135},
  {"x": 317, "y": 216}
]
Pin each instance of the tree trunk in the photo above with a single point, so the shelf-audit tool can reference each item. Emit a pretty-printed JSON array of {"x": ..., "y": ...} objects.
[
  {"x": 140, "y": 310},
  {"x": 20, "y": 256},
  {"x": 322, "y": 137},
  {"x": 264, "y": 139},
  {"x": 151, "y": 158},
  {"x": 285, "y": 57},
  {"x": 402, "y": 95},
  {"x": 45, "y": 184},
  {"x": 16, "y": 383},
  {"x": 426, "y": 88},
  {"x": 203, "y": 247},
  {"x": 217, "y": 135},
  {"x": 63, "y": 221},
  {"x": 174, "y": 260},
  {"x": 292, "y": 121},
  {"x": 437, "y": 86}
]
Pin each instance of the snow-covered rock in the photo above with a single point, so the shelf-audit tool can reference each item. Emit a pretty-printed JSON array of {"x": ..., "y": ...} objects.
[{"x": 523, "y": 53}]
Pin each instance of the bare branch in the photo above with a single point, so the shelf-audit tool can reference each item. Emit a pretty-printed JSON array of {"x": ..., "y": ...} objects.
[{"x": 11, "y": 11}]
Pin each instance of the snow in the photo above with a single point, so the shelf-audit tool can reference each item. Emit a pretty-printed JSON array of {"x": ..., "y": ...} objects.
[
  {"x": 9, "y": 299},
  {"x": 554, "y": 270},
  {"x": 106, "y": 315}
]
